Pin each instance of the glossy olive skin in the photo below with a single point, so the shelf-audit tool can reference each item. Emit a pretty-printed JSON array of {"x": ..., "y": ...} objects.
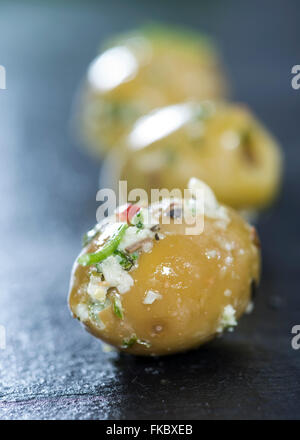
[
  {"x": 169, "y": 66},
  {"x": 192, "y": 285},
  {"x": 229, "y": 150}
]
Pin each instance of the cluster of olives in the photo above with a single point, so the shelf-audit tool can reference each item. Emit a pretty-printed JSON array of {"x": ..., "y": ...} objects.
[{"x": 155, "y": 104}]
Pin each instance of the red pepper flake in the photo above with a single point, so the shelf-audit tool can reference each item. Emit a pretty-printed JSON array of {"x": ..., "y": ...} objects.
[{"x": 126, "y": 212}]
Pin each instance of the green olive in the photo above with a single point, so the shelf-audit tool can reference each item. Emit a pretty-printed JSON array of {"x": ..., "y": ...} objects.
[
  {"x": 139, "y": 71},
  {"x": 180, "y": 291},
  {"x": 222, "y": 144}
]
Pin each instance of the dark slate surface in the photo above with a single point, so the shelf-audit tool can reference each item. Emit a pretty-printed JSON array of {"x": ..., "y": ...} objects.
[{"x": 51, "y": 368}]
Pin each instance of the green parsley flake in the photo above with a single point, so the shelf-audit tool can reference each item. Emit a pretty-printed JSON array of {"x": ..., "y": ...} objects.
[
  {"x": 117, "y": 307},
  {"x": 107, "y": 249}
]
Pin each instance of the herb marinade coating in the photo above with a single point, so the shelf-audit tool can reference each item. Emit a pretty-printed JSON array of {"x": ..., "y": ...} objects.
[{"x": 181, "y": 290}]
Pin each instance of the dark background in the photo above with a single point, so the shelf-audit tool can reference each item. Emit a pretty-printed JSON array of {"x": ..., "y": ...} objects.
[{"x": 51, "y": 368}]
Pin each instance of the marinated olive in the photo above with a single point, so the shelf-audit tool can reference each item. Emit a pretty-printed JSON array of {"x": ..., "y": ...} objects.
[
  {"x": 147, "y": 286},
  {"x": 139, "y": 71},
  {"x": 222, "y": 144}
]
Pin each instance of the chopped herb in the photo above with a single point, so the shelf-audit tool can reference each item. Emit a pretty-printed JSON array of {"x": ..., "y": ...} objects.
[
  {"x": 129, "y": 342},
  {"x": 107, "y": 249},
  {"x": 138, "y": 220},
  {"x": 94, "y": 309},
  {"x": 98, "y": 268},
  {"x": 134, "y": 256},
  {"x": 127, "y": 261},
  {"x": 117, "y": 307}
]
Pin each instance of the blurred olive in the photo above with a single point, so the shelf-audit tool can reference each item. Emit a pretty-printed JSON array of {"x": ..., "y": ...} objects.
[
  {"x": 141, "y": 70},
  {"x": 222, "y": 144}
]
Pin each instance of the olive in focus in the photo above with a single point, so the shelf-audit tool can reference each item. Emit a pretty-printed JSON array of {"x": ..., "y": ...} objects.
[{"x": 145, "y": 286}]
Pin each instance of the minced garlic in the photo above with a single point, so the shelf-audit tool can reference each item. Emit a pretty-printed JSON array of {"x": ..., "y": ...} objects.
[
  {"x": 212, "y": 209},
  {"x": 82, "y": 312},
  {"x": 97, "y": 289},
  {"x": 115, "y": 275},
  {"x": 133, "y": 235},
  {"x": 151, "y": 296},
  {"x": 227, "y": 321}
]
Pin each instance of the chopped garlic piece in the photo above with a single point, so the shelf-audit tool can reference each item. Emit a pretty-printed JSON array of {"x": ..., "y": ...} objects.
[
  {"x": 145, "y": 217},
  {"x": 212, "y": 209},
  {"x": 227, "y": 320},
  {"x": 97, "y": 289},
  {"x": 166, "y": 270},
  {"x": 147, "y": 246},
  {"x": 115, "y": 275},
  {"x": 151, "y": 296},
  {"x": 82, "y": 312},
  {"x": 133, "y": 235}
]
